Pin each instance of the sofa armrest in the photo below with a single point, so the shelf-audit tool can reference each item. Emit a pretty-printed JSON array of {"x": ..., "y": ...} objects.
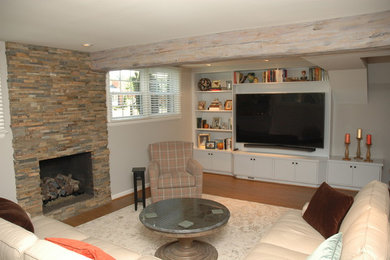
[{"x": 194, "y": 167}]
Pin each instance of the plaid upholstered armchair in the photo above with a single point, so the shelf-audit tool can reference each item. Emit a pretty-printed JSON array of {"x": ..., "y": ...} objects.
[{"x": 173, "y": 172}]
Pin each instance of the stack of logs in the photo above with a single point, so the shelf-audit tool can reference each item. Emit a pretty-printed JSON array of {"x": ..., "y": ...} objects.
[{"x": 61, "y": 185}]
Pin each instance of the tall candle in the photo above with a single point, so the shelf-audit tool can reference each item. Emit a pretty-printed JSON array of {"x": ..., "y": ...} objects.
[
  {"x": 359, "y": 133},
  {"x": 368, "y": 139},
  {"x": 347, "y": 138}
]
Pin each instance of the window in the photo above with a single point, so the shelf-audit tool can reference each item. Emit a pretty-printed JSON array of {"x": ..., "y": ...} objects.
[{"x": 144, "y": 93}]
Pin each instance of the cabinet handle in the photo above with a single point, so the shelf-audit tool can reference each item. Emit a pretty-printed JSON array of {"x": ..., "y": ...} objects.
[
  {"x": 354, "y": 167},
  {"x": 350, "y": 166},
  {"x": 292, "y": 163}
]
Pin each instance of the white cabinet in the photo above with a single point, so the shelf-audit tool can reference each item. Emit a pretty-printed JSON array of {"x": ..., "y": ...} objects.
[
  {"x": 214, "y": 160},
  {"x": 280, "y": 168},
  {"x": 297, "y": 170},
  {"x": 352, "y": 174},
  {"x": 253, "y": 166}
]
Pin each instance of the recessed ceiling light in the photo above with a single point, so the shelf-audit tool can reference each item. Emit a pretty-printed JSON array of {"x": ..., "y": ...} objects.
[
  {"x": 87, "y": 44},
  {"x": 266, "y": 60},
  {"x": 208, "y": 65}
]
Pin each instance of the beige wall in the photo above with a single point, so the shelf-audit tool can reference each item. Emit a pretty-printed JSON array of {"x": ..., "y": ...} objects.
[
  {"x": 128, "y": 143},
  {"x": 373, "y": 118}
]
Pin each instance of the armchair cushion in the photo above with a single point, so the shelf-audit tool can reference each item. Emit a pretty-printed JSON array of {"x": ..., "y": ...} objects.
[{"x": 175, "y": 179}]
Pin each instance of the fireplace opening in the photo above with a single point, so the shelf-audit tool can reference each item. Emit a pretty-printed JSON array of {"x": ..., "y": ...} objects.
[{"x": 65, "y": 180}]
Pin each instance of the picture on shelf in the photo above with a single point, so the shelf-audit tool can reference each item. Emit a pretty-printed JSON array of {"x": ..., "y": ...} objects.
[
  {"x": 228, "y": 104},
  {"x": 216, "y": 84},
  {"x": 201, "y": 105},
  {"x": 202, "y": 140},
  {"x": 210, "y": 145},
  {"x": 216, "y": 123}
]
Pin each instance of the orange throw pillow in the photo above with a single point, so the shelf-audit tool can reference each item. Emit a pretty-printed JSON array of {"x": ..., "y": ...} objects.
[{"x": 81, "y": 248}]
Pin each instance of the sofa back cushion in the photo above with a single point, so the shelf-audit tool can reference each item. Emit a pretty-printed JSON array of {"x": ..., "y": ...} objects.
[
  {"x": 374, "y": 195},
  {"x": 14, "y": 240},
  {"x": 367, "y": 237},
  {"x": 365, "y": 227}
]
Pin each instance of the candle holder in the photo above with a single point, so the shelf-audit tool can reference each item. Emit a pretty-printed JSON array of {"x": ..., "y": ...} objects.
[
  {"x": 358, "y": 157},
  {"x": 368, "y": 154},
  {"x": 346, "y": 154}
]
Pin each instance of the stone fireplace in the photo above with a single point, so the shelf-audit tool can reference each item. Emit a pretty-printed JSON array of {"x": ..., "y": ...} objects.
[{"x": 58, "y": 109}]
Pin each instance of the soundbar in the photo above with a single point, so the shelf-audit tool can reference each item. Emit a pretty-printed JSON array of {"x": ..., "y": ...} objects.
[{"x": 285, "y": 147}]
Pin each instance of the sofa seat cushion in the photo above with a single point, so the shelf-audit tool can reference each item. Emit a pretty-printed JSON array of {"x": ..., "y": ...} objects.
[
  {"x": 265, "y": 251},
  {"x": 14, "y": 240},
  {"x": 81, "y": 247},
  {"x": 45, "y": 250},
  {"x": 292, "y": 232},
  {"x": 175, "y": 179},
  {"x": 12, "y": 212},
  {"x": 48, "y": 227},
  {"x": 329, "y": 249},
  {"x": 117, "y": 252}
]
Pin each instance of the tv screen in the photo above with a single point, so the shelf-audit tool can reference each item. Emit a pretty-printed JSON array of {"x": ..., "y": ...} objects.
[{"x": 281, "y": 119}]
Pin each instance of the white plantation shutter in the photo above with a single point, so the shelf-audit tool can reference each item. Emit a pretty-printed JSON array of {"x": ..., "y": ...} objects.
[
  {"x": 164, "y": 92},
  {"x": 2, "y": 122},
  {"x": 154, "y": 92}
]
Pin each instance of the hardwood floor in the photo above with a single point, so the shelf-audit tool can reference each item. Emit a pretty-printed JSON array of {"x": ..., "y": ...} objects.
[{"x": 290, "y": 196}]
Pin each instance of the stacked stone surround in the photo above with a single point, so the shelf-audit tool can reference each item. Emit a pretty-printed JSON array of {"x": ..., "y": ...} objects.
[{"x": 58, "y": 108}]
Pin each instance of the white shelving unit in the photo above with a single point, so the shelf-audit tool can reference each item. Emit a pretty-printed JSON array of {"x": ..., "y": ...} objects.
[
  {"x": 213, "y": 160},
  {"x": 274, "y": 165}
]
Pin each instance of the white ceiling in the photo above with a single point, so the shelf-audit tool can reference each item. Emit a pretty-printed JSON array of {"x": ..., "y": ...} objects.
[{"x": 111, "y": 24}]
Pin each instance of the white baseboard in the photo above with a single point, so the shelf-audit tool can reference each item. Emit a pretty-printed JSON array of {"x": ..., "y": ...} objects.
[{"x": 127, "y": 192}]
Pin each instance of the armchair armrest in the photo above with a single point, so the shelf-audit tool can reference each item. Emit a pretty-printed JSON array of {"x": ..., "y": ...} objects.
[{"x": 194, "y": 167}]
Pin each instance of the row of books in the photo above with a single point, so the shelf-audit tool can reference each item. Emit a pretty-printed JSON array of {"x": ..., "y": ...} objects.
[
  {"x": 316, "y": 74},
  {"x": 279, "y": 75}
]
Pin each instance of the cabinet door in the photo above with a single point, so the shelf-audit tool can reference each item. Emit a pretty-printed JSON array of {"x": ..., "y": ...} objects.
[
  {"x": 221, "y": 161},
  {"x": 263, "y": 168},
  {"x": 340, "y": 173},
  {"x": 243, "y": 165},
  {"x": 363, "y": 174},
  {"x": 204, "y": 158},
  {"x": 306, "y": 172},
  {"x": 284, "y": 169}
]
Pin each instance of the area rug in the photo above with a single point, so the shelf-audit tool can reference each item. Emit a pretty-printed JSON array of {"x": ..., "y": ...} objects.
[{"x": 248, "y": 222}]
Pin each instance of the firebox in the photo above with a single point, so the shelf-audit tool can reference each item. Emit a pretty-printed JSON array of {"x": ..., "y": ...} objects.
[{"x": 65, "y": 180}]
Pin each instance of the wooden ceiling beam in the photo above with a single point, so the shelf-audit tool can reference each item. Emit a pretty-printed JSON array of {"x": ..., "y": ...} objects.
[{"x": 340, "y": 35}]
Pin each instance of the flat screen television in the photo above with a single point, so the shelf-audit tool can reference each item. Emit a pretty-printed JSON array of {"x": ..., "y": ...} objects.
[{"x": 290, "y": 120}]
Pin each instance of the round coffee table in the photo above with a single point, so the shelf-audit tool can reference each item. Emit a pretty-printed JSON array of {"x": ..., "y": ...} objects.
[{"x": 185, "y": 219}]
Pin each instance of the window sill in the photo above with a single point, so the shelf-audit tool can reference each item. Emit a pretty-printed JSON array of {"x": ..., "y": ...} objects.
[{"x": 122, "y": 122}]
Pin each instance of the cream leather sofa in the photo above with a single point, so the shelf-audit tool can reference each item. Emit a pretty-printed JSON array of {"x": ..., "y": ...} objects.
[
  {"x": 365, "y": 231},
  {"x": 18, "y": 243}
]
